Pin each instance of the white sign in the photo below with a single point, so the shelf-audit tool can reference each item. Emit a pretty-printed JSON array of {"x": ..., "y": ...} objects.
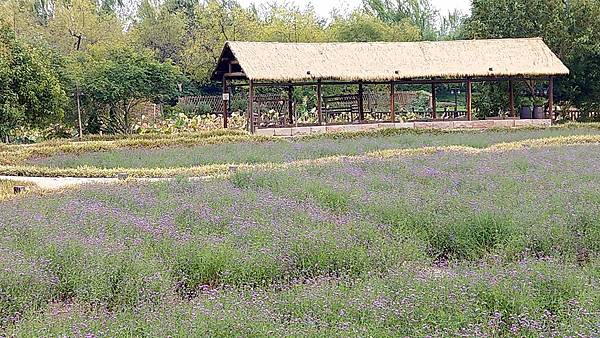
[{"x": 225, "y": 96}]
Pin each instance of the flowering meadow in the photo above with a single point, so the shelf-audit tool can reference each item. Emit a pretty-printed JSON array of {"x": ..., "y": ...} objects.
[
  {"x": 499, "y": 243},
  {"x": 281, "y": 150}
]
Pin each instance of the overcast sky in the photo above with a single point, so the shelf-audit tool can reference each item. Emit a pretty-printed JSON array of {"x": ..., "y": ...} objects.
[{"x": 324, "y": 7}]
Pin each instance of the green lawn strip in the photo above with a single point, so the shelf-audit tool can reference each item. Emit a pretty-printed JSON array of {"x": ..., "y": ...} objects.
[
  {"x": 223, "y": 169},
  {"x": 277, "y": 150},
  {"x": 16, "y": 154}
]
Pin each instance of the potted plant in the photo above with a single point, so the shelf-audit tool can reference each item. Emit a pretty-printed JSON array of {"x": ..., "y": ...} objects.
[
  {"x": 538, "y": 108},
  {"x": 525, "y": 108}
]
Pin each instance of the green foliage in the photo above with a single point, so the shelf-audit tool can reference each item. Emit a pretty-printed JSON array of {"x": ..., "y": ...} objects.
[
  {"x": 539, "y": 101},
  {"x": 119, "y": 78},
  {"x": 360, "y": 26},
  {"x": 525, "y": 101},
  {"x": 30, "y": 90},
  {"x": 571, "y": 29}
]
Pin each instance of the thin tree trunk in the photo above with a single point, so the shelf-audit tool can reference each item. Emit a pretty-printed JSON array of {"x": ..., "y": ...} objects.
[{"x": 78, "y": 98}]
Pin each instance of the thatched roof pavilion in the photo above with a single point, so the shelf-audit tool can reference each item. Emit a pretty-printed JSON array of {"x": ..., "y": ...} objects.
[{"x": 466, "y": 61}]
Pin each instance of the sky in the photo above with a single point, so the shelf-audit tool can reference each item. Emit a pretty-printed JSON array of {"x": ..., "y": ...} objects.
[{"x": 324, "y": 7}]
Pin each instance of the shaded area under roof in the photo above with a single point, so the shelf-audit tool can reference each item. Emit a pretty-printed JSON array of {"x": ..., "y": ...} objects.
[{"x": 388, "y": 61}]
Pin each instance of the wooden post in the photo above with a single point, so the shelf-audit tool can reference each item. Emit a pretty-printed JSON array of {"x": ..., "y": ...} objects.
[
  {"x": 469, "y": 99},
  {"x": 511, "y": 93},
  {"x": 551, "y": 98},
  {"x": 79, "y": 123},
  {"x": 433, "y": 102},
  {"x": 320, "y": 102},
  {"x": 361, "y": 108},
  {"x": 393, "y": 102},
  {"x": 250, "y": 107},
  {"x": 291, "y": 104},
  {"x": 226, "y": 98}
]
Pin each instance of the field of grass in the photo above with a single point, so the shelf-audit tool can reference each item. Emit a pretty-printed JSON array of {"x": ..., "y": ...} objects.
[
  {"x": 278, "y": 150},
  {"x": 445, "y": 243}
]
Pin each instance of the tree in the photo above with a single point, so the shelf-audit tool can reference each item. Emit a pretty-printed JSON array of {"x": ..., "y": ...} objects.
[
  {"x": 117, "y": 78},
  {"x": 30, "y": 90},
  {"x": 419, "y": 13},
  {"x": 163, "y": 31},
  {"x": 571, "y": 29},
  {"x": 364, "y": 27}
]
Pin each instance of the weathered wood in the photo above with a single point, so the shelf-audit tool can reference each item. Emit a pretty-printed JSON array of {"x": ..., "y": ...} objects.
[
  {"x": 393, "y": 102},
  {"x": 290, "y": 104},
  {"x": 511, "y": 93},
  {"x": 361, "y": 108},
  {"x": 225, "y": 102},
  {"x": 469, "y": 100},
  {"x": 551, "y": 98},
  {"x": 241, "y": 75},
  {"x": 250, "y": 117},
  {"x": 320, "y": 102},
  {"x": 433, "y": 102}
]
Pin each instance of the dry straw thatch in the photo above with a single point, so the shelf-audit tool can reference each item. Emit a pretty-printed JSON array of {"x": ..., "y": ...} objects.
[{"x": 381, "y": 61}]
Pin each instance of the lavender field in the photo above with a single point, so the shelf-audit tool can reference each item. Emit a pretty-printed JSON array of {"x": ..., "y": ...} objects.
[
  {"x": 502, "y": 243},
  {"x": 278, "y": 151}
]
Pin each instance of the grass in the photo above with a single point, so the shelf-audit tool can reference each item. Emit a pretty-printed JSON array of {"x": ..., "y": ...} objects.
[
  {"x": 210, "y": 153},
  {"x": 498, "y": 242},
  {"x": 7, "y": 188}
]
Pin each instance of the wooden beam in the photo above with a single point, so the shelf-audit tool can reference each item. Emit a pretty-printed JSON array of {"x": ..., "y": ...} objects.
[
  {"x": 361, "y": 108},
  {"x": 393, "y": 102},
  {"x": 250, "y": 107},
  {"x": 469, "y": 100},
  {"x": 235, "y": 75},
  {"x": 226, "y": 98},
  {"x": 320, "y": 102},
  {"x": 400, "y": 82},
  {"x": 511, "y": 96},
  {"x": 551, "y": 98},
  {"x": 433, "y": 102},
  {"x": 291, "y": 104}
]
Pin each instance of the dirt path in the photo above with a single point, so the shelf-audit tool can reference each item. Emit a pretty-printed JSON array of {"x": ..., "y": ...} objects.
[{"x": 57, "y": 183}]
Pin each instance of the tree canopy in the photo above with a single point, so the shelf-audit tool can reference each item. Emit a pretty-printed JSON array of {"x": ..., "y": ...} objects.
[
  {"x": 112, "y": 54},
  {"x": 30, "y": 90}
]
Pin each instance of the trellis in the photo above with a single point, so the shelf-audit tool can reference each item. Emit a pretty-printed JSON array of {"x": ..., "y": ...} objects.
[
  {"x": 194, "y": 103},
  {"x": 377, "y": 105}
]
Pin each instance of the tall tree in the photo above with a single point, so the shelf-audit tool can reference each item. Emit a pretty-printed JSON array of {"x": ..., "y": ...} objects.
[
  {"x": 30, "y": 90},
  {"x": 420, "y": 13},
  {"x": 117, "y": 78},
  {"x": 571, "y": 29}
]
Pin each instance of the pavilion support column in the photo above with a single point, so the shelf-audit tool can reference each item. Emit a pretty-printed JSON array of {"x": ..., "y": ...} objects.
[
  {"x": 511, "y": 95},
  {"x": 433, "y": 102},
  {"x": 393, "y": 102},
  {"x": 251, "y": 106},
  {"x": 551, "y": 98},
  {"x": 291, "y": 104},
  {"x": 226, "y": 98},
  {"x": 469, "y": 100},
  {"x": 320, "y": 102},
  {"x": 361, "y": 108}
]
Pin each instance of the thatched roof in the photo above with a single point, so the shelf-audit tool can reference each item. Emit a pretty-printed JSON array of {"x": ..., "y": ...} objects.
[{"x": 282, "y": 62}]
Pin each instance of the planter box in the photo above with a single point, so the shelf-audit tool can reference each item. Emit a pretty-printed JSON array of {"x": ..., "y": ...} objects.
[
  {"x": 539, "y": 113},
  {"x": 525, "y": 113}
]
